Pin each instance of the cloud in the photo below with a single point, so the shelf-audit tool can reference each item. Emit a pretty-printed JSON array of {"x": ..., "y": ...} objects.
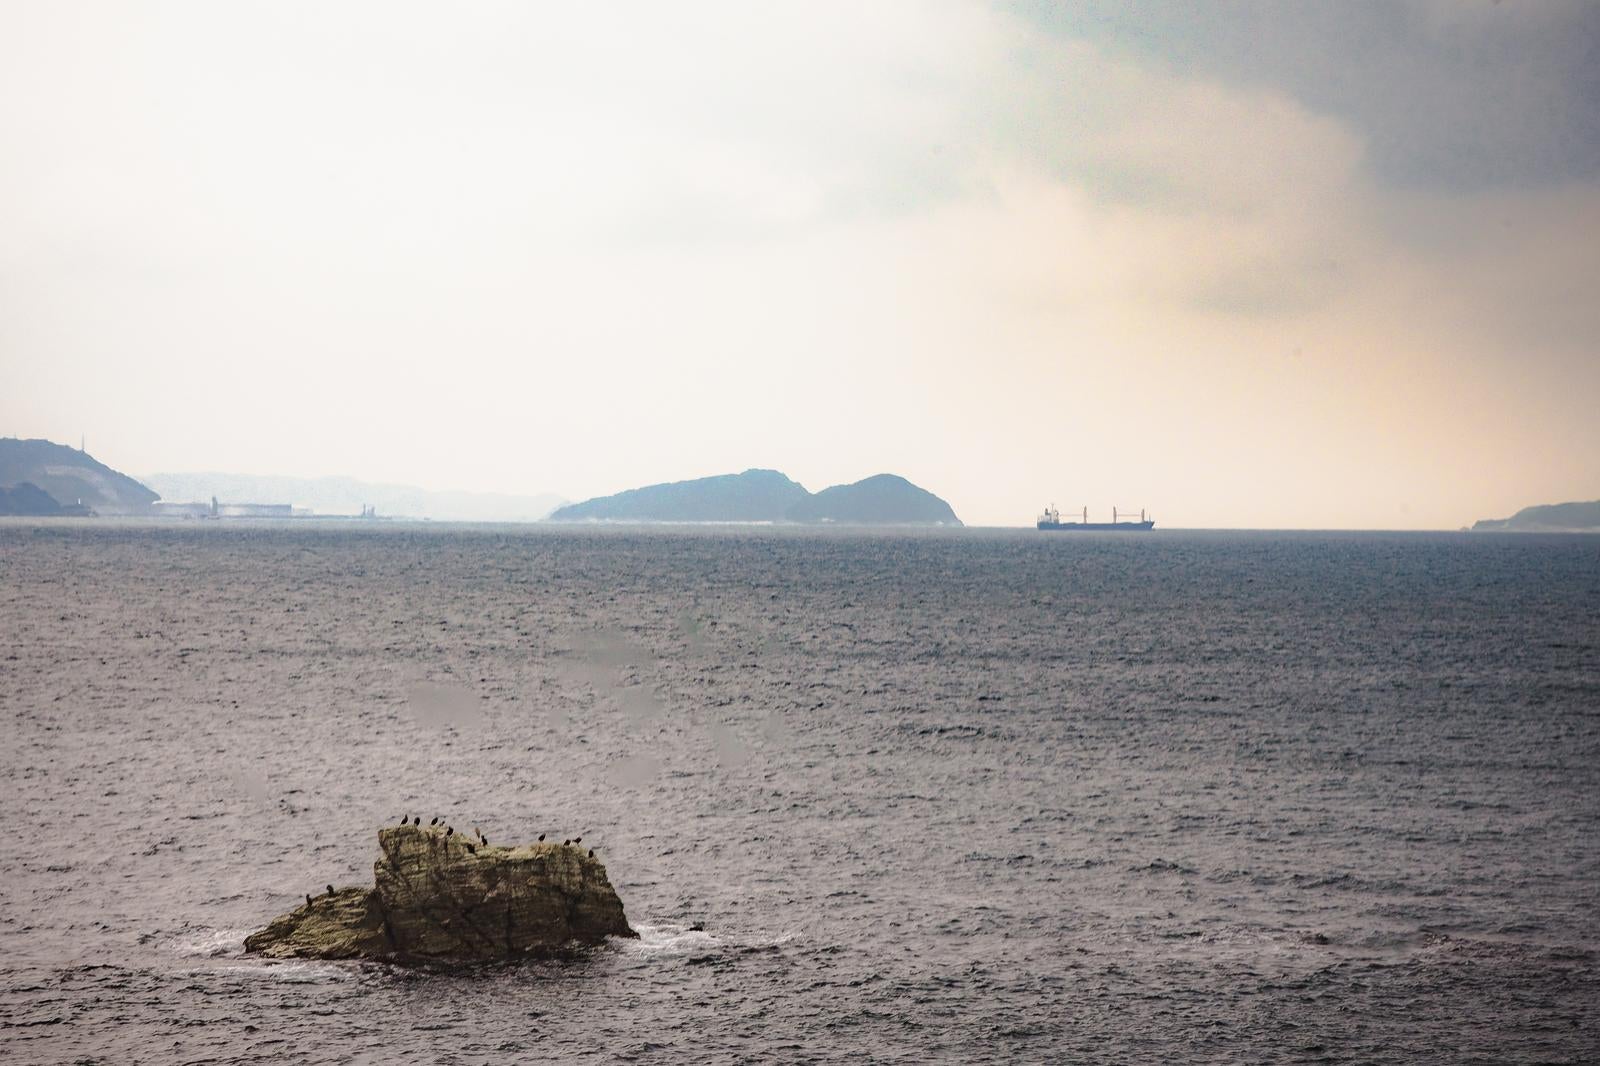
[
  {"x": 601, "y": 246},
  {"x": 1459, "y": 95}
]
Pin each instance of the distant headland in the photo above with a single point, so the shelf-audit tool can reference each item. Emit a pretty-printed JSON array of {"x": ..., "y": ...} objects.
[
  {"x": 768, "y": 496},
  {"x": 38, "y": 477},
  {"x": 1547, "y": 518},
  {"x": 42, "y": 478}
]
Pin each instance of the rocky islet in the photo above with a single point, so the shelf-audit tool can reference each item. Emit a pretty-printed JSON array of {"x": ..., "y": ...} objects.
[{"x": 446, "y": 899}]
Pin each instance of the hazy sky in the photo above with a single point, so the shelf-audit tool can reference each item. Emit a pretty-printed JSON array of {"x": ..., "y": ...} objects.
[{"x": 1242, "y": 264}]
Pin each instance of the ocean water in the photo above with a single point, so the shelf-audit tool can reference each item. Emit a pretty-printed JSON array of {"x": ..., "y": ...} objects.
[{"x": 965, "y": 796}]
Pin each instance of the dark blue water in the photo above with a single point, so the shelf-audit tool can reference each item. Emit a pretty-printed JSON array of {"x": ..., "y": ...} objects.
[{"x": 965, "y": 796}]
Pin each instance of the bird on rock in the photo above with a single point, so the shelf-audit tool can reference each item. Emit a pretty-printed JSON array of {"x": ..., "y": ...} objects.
[
  {"x": 449, "y": 832},
  {"x": 577, "y": 840},
  {"x": 330, "y": 890},
  {"x": 471, "y": 850},
  {"x": 308, "y": 899},
  {"x": 417, "y": 820},
  {"x": 591, "y": 853},
  {"x": 433, "y": 821},
  {"x": 541, "y": 838}
]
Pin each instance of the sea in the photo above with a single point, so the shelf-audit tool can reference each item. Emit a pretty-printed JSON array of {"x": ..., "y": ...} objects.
[{"x": 960, "y": 796}]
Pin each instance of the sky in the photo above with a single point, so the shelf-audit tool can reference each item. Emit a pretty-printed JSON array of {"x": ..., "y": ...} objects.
[{"x": 1298, "y": 265}]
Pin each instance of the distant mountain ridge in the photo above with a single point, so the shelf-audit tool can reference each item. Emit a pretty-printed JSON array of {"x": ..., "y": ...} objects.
[
  {"x": 753, "y": 496},
  {"x": 70, "y": 477},
  {"x": 1547, "y": 518},
  {"x": 767, "y": 496},
  {"x": 882, "y": 498},
  {"x": 346, "y": 496}
]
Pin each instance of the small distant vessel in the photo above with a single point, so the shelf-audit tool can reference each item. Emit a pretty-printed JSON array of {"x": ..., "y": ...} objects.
[{"x": 1051, "y": 519}]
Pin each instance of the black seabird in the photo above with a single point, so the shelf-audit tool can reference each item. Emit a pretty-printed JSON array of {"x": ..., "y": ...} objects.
[
  {"x": 433, "y": 821},
  {"x": 577, "y": 840},
  {"x": 404, "y": 818},
  {"x": 470, "y": 849},
  {"x": 330, "y": 890},
  {"x": 308, "y": 899},
  {"x": 449, "y": 832},
  {"x": 483, "y": 840},
  {"x": 417, "y": 820},
  {"x": 541, "y": 838},
  {"x": 591, "y": 853},
  {"x": 564, "y": 843}
]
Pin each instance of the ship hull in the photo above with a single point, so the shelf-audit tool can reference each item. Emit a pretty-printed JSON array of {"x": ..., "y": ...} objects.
[{"x": 1099, "y": 527}]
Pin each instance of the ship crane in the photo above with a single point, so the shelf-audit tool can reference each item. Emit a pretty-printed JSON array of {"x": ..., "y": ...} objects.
[{"x": 1121, "y": 520}]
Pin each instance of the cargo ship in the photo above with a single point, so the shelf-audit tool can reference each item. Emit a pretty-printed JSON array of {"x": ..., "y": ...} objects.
[{"x": 1051, "y": 519}]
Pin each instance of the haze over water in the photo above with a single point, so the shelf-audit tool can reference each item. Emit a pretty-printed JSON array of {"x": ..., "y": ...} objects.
[
  {"x": 970, "y": 796},
  {"x": 1262, "y": 264}
]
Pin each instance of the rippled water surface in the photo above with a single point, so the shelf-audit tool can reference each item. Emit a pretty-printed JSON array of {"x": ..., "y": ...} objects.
[{"x": 964, "y": 796}]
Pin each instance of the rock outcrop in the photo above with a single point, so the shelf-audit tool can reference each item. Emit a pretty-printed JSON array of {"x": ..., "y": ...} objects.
[{"x": 435, "y": 901}]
